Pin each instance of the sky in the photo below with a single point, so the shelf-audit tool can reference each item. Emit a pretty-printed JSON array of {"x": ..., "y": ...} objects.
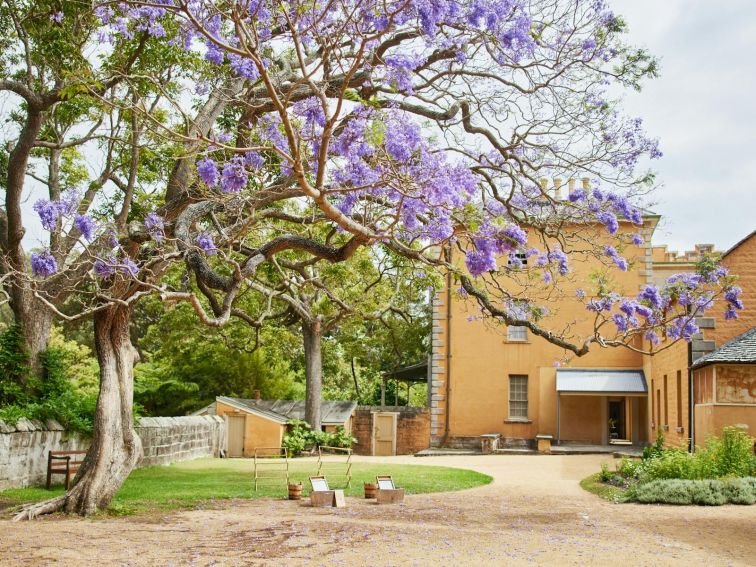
[{"x": 703, "y": 109}]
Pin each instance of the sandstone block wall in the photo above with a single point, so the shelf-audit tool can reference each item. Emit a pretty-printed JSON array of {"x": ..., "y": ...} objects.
[{"x": 24, "y": 446}]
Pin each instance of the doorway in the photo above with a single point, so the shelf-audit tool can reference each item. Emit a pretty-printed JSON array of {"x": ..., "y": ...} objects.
[
  {"x": 235, "y": 425},
  {"x": 617, "y": 419},
  {"x": 384, "y": 434}
]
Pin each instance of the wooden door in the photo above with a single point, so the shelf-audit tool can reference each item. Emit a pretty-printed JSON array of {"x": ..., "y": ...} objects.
[
  {"x": 384, "y": 434},
  {"x": 235, "y": 425}
]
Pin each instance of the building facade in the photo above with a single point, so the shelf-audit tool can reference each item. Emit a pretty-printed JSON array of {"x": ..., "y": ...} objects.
[{"x": 487, "y": 378}]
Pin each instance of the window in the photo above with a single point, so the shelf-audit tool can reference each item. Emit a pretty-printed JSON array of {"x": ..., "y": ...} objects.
[
  {"x": 654, "y": 421},
  {"x": 666, "y": 403},
  {"x": 679, "y": 399},
  {"x": 517, "y": 334},
  {"x": 517, "y": 260},
  {"x": 518, "y": 397}
]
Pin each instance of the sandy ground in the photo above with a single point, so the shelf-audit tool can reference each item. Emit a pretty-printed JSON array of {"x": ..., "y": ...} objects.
[{"x": 533, "y": 513}]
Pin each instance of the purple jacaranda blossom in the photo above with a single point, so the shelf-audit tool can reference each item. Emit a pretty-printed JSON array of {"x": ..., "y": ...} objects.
[
  {"x": 154, "y": 224},
  {"x": 580, "y": 293},
  {"x": 643, "y": 311},
  {"x": 547, "y": 277},
  {"x": 57, "y": 17},
  {"x": 609, "y": 220},
  {"x": 128, "y": 267},
  {"x": 48, "y": 212},
  {"x": 637, "y": 239},
  {"x": 557, "y": 255},
  {"x": 651, "y": 294},
  {"x": 652, "y": 337},
  {"x": 86, "y": 226},
  {"x": 207, "y": 170},
  {"x": 234, "y": 176},
  {"x": 479, "y": 262},
  {"x": 620, "y": 262},
  {"x": 103, "y": 269},
  {"x": 43, "y": 264},
  {"x": 621, "y": 321},
  {"x": 589, "y": 44},
  {"x": 254, "y": 160},
  {"x": 68, "y": 202},
  {"x": 730, "y": 313},
  {"x": 731, "y": 295},
  {"x": 205, "y": 241},
  {"x": 577, "y": 195}
]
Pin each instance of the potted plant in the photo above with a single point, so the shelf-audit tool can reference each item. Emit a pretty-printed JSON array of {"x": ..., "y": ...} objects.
[{"x": 613, "y": 434}]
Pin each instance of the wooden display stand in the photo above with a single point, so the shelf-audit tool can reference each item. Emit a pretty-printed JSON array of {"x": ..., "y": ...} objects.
[
  {"x": 387, "y": 492},
  {"x": 323, "y": 497}
]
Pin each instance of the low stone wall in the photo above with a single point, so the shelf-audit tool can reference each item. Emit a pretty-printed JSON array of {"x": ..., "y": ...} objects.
[
  {"x": 412, "y": 429},
  {"x": 170, "y": 439},
  {"x": 24, "y": 446}
]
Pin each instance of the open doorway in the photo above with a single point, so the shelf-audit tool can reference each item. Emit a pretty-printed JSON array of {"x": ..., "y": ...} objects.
[{"x": 617, "y": 419}]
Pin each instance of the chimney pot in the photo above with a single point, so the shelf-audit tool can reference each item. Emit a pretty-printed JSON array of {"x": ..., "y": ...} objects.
[
  {"x": 586, "y": 183},
  {"x": 544, "y": 185},
  {"x": 557, "y": 188},
  {"x": 257, "y": 394}
]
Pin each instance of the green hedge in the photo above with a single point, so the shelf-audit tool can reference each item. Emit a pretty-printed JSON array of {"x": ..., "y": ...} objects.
[{"x": 702, "y": 492}]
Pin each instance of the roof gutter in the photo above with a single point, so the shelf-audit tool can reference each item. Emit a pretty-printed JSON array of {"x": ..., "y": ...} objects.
[{"x": 448, "y": 347}]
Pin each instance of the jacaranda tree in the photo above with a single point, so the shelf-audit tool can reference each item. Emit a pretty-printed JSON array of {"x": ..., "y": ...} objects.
[{"x": 419, "y": 126}]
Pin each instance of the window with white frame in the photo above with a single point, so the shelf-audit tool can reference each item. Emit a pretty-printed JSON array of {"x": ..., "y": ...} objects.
[
  {"x": 517, "y": 333},
  {"x": 518, "y": 397}
]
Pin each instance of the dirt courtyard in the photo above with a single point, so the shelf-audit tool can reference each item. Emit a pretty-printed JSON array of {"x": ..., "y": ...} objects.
[{"x": 533, "y": 513}]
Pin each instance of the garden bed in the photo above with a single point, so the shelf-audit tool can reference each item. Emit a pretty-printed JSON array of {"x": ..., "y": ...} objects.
[{"x": 722, "y": 472}]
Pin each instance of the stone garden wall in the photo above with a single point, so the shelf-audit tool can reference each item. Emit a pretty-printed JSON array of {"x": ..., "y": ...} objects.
[{"x": 24, "y": 446}]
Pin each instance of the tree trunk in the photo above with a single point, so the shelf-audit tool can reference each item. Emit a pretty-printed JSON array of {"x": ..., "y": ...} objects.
[
  {"x": 312, "y": 334},
  {"x": 116, "y": 448},
  {"x": 35, "y": 321}
]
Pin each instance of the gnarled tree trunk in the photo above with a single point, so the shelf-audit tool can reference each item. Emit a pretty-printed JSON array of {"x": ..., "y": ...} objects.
[
  {"x": 116, "y": 448},
  {"x": 35, "y": 321},
  {"x": 312, "y": 334}
]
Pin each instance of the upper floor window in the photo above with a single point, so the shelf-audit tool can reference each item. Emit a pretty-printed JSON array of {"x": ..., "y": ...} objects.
[{"x": 516, "y": 333}]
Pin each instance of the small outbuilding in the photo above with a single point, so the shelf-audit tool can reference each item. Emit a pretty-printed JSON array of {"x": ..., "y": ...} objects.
[
  {"x": 724, "y": 388},
  {"x": 253, "y": 423}
]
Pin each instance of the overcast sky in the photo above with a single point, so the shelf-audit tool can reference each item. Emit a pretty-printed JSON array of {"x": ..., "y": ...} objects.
[{"x": 703, "y": 109}]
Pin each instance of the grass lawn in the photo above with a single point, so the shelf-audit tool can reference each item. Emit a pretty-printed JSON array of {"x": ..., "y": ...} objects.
[
  {"x": 202, "y": 481},
  {"x": 594, "y": 485}
]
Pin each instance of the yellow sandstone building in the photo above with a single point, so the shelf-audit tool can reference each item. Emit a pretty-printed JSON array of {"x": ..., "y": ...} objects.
[{"x": 487, "y": 378}]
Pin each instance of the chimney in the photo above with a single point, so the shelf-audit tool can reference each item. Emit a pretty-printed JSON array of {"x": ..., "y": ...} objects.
[
  {"x": 257, "y": 395},
  {"x": 570, "y": 185},
  {"x": 544, "y": 185},
  {"x": 557, "y": 188},
  {"x": 586, "y": 183}
]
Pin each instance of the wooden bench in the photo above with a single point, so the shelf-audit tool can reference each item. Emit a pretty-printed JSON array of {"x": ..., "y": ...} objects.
[{"x": 69, "y": 468}]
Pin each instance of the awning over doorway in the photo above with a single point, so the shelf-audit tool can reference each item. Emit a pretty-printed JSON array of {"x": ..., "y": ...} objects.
[{"x": 600, "y": 381}]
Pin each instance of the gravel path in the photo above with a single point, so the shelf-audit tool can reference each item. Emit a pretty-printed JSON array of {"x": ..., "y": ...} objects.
[{"x": 533, "y": 513}]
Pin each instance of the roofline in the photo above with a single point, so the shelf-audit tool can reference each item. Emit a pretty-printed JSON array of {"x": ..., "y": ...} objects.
[
  {"x": 278, "y": 418},
  {"x": 696, "y": 366},
  {"x": 738, "y": 243}
]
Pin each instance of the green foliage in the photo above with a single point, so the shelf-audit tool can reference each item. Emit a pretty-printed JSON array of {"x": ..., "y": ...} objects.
[
  {"x": 701, "y": 492},
  {"x": 605, "y": 475},
  {"x": 186, "y": 365},
  {"x": 300, "y": 436},
  {"x": 54, "y": 397},
  {"x": 630, "y": 468},
  {"x": 730, "y": 455},
  {"x": 656, "y": 449},
  {"x": 14, "y": 369}
]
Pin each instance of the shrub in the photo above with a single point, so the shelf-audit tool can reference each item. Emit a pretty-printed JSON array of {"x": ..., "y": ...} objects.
[
  {"x": 630, "y": 468},
  {"x": 668, "y": 464},
  {"x": 732, "y": 453},
  {"x": 702, "y": 492},
  {"x": 301, "y": 436},
  {"x": 707, "y": 492},
  {"x": 740, "y": 490},
  {"x": 604, "y": 475},
  {"x": 664, "y": 491}
]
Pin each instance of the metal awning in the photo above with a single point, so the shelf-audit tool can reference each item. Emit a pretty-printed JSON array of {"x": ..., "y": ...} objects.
[{"x": 600, "y": 381}]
